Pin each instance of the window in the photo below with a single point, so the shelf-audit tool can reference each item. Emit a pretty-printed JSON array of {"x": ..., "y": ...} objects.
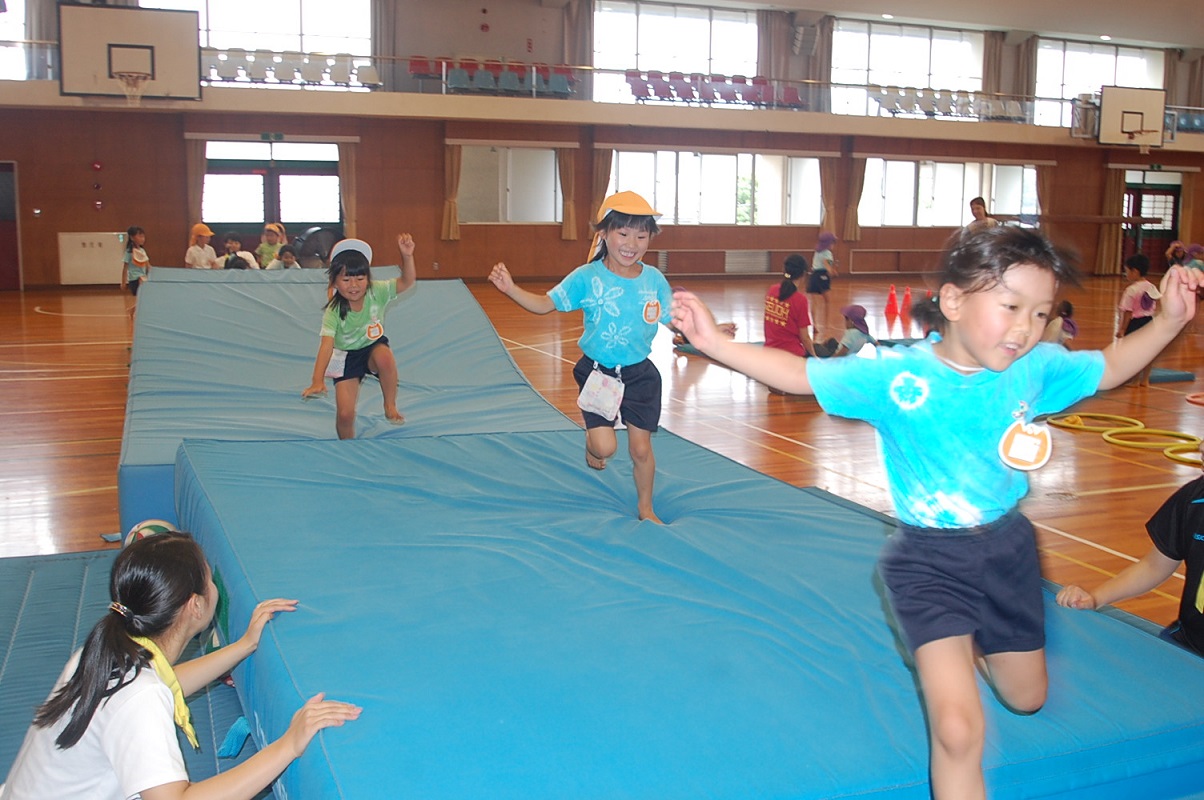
[
  {"x": 12, "y": 28},
  {"x": 509, "y": 184},
  {"x": 669, "y": 38},
  {"x": 690, "y": 188},
  {"x": 248, "y": 183},
  {"x": 879, "y": 54},
  {"x": 308, "y": 26},
  {"x": 938, "y": 194},
  {"x": 1066, "y": 70}
]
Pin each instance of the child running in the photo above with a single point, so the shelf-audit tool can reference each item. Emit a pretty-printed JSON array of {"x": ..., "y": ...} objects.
[
  {"x": 954, "y": 414},
  {"x": 353, "y": 342},
  {"x": 623, "y": 300}
]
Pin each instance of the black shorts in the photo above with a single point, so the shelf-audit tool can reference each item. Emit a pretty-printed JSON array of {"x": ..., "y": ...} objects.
[
  {"x": 346, "y": 365},
  {"x": 133, "y": 287},
  {"x": 984, "y": 582},
  {"x": 641, "y": 406},
  {"x": 1136, "y": 324},
  {"x": 819, "y": 282}
]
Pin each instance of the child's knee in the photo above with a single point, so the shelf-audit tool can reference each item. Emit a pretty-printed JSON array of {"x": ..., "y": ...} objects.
[
  {"x": 601, "y": 445},
  {"x": 1026, "y": 699},
  {"x": 640, "y": 449},
  {"x": 959, "y": 731}
]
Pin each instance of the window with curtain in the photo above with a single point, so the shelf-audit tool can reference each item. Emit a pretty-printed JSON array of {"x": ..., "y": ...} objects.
[
  {"x": 692, "y": 188},
  {"x": 12, "y": 28},
  {"x": 307, "y": 26},
  {"x": 629, "y": 34},
  {"x": 1067, "y": 69},
  {"x": 886, "y": 54},
  {"x": 249, "y": 183},
  {"x": 937, "y": 194},
  {"x": 509, "y": 184}
]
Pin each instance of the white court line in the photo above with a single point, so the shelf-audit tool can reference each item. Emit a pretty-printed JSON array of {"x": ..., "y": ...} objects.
[
  {"x": 65, "y": 377},
  {"x": 1096, "y": 545},
  {"x": 122, "y": 342},
  {"x": 40, "y": 310}
]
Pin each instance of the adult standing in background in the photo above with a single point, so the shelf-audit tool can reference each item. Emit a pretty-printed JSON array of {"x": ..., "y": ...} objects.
[{"x": 978, "y": 209}]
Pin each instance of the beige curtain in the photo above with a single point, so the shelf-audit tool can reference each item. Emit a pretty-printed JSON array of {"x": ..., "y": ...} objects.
[
  {"x": 852, "y": 224},
  {"x": 992, "y": 62},
  {"x": 1107, "y": 259},
  {"x": 1187, "y": 208},
  {"x": 1026, "y": 68},
  {"x": 579, "y": 43},
  {"x": 1195, "y": 84},
  {"x": 775, "y": 37},
  {"x": 1045, "y": 184},
  {"x": 194, "y": 177},
  {"x": 1170, "y": 75},
  {"x": 566, "y": 164},
  {"x": 603, "y": 160},
  {"x": 385, "y": 48},
  {"x": 818, "y": 69},
  {"x": 347, "y": 188},
  {"x": 451, "y": 193},
  {"x": 829, "y": 170}
]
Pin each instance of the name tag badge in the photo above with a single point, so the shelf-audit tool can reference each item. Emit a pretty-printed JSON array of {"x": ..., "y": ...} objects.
[
  {"x": 375, "y": 330},
  {"x": 1026, "y": 446}
]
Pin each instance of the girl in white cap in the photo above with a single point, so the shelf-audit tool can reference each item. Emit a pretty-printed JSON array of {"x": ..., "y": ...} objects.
[
  {"x": 353, "y": 342},
  {"x": 624, "y": 301}
]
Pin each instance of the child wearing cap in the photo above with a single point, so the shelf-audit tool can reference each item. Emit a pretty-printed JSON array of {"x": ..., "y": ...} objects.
[
  {"x": 624, "y": 301},
  {"x": 200, "y": 255},
  {"x": 1137, "y": 304},
  {"x": 353, "y": 342},
  {"x": 819, "y": 282},
  {"x": 269, "y": 246},
  {"x": 856, "y": 331}
]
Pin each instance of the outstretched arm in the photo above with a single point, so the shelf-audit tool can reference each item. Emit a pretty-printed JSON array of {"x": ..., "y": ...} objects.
[
  {"x": 317, "y": 384},
  {"x": 1131, "y": 581},
  {"x": 409, "y": 273},
  {"x": 1127, "y": 356},
  {"x": 250, "y": 777},
  {"x": 770, "y": 366},
  {"x": 500, "y": 277},
  {"x": 198, "y": 673}
]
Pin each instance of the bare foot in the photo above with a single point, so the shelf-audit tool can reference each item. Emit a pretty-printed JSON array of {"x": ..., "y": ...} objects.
[
  {"x": 593, "y": 461},
  {"x": 394, "y": 416},
  {"x": 650, "y": 516}
]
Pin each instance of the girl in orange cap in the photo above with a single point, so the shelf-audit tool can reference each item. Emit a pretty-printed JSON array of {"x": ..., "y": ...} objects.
[
  {"x": 200, "y": 254},
  {"x": 624, "y": 300}
]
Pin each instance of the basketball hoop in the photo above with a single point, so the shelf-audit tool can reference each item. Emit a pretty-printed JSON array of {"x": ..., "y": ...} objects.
[{"x": 132, "y": 83}]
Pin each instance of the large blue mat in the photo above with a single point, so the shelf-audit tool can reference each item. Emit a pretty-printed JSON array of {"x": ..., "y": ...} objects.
[
  {"x": 513, "y": 632},
  {"x": 225, "y": 355}
]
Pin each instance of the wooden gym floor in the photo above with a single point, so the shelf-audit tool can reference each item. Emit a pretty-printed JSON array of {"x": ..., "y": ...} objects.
[{"x": 64, "y": 368}]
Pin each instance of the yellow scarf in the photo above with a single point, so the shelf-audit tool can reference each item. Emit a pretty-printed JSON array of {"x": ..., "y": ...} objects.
[{"x": 168, "y": 675}]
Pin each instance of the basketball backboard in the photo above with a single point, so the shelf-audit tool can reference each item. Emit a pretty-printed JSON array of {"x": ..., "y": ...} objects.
[
  {"x": 1130, "y": 116},
  {"x": 96, "y": 43}
]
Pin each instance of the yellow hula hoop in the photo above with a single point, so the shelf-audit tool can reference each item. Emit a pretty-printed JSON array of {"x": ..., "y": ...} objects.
[
  {"x": 1174, "y": 450},
  {"x": 1114, "y": 438},
  {"x": 1074, "y": 422},
  {"x": 1196, "y": 399}
]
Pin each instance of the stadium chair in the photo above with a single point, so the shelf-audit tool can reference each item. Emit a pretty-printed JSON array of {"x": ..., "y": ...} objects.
[
  {"x": 724, "y": 90},
  {"x": 683, "y": 87},
  {"x": 340, "y": 70},
  {"x": 559, "y": 86},
  {"x": 791, "y": 99},
  {"x": 509, "y": 82},
  {"x": 638, "y": 85},
  {"x": 232, "y": 67},
  {"x": 482, "y": 81},
  {"x": 458, "y": 80},
  {"x": 660, "y": 87},
  {"x": 367, "y": 75},
  {"x": 314, "y": 69},
  {"x": 702, "y": 83}
]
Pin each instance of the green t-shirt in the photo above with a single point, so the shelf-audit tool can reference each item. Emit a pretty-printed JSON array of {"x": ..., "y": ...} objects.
[{"x": 361, "y": 328}]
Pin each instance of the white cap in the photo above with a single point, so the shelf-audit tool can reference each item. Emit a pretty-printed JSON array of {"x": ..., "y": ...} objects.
[{"x": 355, "y": 245}]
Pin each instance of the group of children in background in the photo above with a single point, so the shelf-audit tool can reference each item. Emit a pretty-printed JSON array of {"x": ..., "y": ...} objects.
[
  {"x": 955, "y": 488},
  {"x": 273, "y": 251}
]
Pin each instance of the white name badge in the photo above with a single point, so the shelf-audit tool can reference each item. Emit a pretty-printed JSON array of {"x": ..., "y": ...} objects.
[{"x": 1026, "y": 446}]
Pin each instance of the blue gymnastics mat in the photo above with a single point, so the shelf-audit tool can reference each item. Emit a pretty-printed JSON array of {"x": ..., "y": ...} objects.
[
  {"x": 512, "y": 631},
  {"x": 48, "y": 604},
  {"x": 225, "y": 354}
]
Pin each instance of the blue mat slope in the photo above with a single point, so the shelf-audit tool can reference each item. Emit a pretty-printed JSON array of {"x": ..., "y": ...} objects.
[
  {"x": 513, "y": 632},
  {"x": 48, "y": 604},
  {"x": 225, "y": 355}
]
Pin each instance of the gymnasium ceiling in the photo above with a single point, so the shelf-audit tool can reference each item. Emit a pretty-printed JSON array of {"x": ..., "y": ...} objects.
[{"x": 1173, "y": 23}]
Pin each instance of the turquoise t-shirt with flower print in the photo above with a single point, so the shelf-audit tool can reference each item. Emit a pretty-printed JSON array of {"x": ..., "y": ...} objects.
[{"x": 621, "y": 314}]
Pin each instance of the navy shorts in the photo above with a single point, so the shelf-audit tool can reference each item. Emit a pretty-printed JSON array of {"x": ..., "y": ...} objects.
[
  {"x": 819, "y": 282},
  {"x": 348, "y": 365},
  {"x": 133, "y": 286},
  {"x": 984, "y": 582},
  {"x": 641, "y": 406},
  {"x": 1137, "y": 323}
]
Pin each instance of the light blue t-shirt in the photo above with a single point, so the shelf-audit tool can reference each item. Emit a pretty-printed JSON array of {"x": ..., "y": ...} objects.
[
  {"x": 621, "y": 314},
  {"x": 940, "y": 430},
  {"x": 822, "y": 261}
]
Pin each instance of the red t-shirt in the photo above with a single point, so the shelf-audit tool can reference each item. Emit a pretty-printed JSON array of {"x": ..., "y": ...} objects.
[{"x": 784, "y": 321}]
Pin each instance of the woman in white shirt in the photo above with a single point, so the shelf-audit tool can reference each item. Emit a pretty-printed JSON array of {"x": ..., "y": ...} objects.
[{"x": 106, "y": 730}]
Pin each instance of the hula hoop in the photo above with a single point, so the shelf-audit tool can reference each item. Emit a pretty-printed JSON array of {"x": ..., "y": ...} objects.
[
  {"x": 1196, "y": 399},
  {"x": 1114, "y": 438},
  {"x": 1074, "y": 422},
  {"x": 1174, "y": 450}
]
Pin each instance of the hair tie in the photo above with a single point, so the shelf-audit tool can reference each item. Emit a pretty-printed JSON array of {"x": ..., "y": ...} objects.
[{"x": 118, "y": 608}]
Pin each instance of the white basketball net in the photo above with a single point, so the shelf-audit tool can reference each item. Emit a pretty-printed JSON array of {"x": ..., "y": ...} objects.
[{"x": 132, "y": 83}]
